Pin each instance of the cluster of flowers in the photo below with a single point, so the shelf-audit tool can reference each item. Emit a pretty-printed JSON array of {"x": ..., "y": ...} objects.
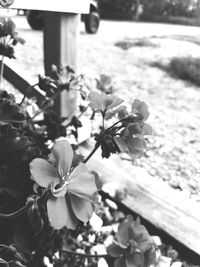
[
  {"x": 62, "y": 193},
  {"x": 127, "y": 134},
  {"x": 8, "y": 37}
]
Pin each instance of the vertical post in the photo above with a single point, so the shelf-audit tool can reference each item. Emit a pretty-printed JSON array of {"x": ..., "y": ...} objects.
[{"x": 60, "y": 48}]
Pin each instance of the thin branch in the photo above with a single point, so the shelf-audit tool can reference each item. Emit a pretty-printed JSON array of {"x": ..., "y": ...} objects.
[
  {"x": 68, "y": 251},
  {"x": 29, "y": 89},
  {"x": 25, "y": 208},
  {"x": 111, "y": 127},
  {"x": 97, "y": 145},
  {"x": 15, "y": 214},
  {"x": 46, "y": 105}
]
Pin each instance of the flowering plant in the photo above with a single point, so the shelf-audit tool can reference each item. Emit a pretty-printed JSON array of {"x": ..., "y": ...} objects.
[
  {"x": 132, "y": 245},
  {"x": 48, "y": 197}
]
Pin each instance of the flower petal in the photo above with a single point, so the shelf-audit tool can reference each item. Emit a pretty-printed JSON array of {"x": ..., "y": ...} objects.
[
  {"x": 134, "y": 260},
  {"x": 96, "y": 101},
  {"x": 60, "y": 213},
  {"x": 63, "y": 154},
  {"x": 81, "y": 168},
  {"x": 125, "y": 233},
  {"x": 114, "y": 101},
  {"x": 72, "y": 220},
  {"x": 121, "y": 144},
  {"x": 82, "y": 182},
  {"x": 56, "y": 208},
  {"x": 43, "y": 172},
  {"x": 97, "y": 180},
  {"x": 114, "y": 250},
  {"x": 140, "y": 107},
  {"x": 59, "y": 192},
  {"x": 81, "y": 207},
  {"x": 120, "y": 262}
]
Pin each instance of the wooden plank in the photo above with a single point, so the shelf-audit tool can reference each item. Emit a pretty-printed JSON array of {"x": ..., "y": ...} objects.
[
  {"x": 152, "y": 199},
  {"x": 60, "y": 48},
  {"x": 70, "y": 6},
  {"x": 20, "y": 80}
]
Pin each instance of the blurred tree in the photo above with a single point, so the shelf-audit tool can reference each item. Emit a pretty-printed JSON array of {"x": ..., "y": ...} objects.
[
  {"x": 197, "y": 9},
  {"x": 129, "y": 9},
  {"x": 185, "y": 8},
  {"x": 154, "y": 7}
]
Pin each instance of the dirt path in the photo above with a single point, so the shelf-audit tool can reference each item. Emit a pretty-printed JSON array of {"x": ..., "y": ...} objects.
[{"x": 174, "y": 154}]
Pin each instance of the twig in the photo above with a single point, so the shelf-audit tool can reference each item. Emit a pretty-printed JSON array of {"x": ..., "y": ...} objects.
[
  {"x": 68, "y": 251},
  {"x": 97, "y": 145},
  {"x": 29, "y": 89},
  {"x": 15, "y": 214},
  {"x": 25, "y": 208}
]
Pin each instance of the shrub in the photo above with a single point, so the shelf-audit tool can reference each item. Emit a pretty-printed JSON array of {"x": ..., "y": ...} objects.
[
  {"x": 172, "y": 20},
  {"x": 186, "y": 68}
]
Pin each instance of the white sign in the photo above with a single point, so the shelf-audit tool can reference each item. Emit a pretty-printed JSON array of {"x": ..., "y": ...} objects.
[{"x": 69, "y": 6}]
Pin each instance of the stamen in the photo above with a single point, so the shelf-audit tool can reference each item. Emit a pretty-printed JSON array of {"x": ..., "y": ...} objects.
[
  {"x": 66, "y": 183},
  {"x": 64, "y": 178}
]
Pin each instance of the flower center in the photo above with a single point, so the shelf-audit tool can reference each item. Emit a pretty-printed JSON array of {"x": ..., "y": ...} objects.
[
  {"x": 60, "y": 189},
  {"x": 65, "y": 182}
]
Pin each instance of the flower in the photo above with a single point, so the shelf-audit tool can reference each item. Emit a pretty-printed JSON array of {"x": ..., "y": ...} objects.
[
  {"x": 101, "y": 102},
  {"x": 72, "y": 191},
  {"x": 104, "y": 84},
  {"x": 133, "y": 146},
  {"x": 132, "y": 245},
  {"x": 7, "y": 28},
  {"x": 132, "y": 140},
  {"x": 141, "y": 108}
]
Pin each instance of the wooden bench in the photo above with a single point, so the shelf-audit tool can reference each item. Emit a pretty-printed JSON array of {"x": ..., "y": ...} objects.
[{"x": 152, "y": 199}]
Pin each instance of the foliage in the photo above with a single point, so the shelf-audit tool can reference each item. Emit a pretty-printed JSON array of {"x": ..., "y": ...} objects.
[
  {"x": 181, "y": 8},
  {"x": 47, "y": 193},
  {"x": 124, "y": 9},
  {"x": 8, "y": 37},
  {"x": 173, "y": 11},
  {"x": 132, "y": 245},
  {"x": 187, "y": 68}
]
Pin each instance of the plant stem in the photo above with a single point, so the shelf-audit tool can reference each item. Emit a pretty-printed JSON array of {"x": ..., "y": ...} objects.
[
  {"x": 15, "y": 214},
  {"x": 29, "y": 89},
  {"x": 109, "y": 128},
  {"x": 2, "y": 69},
  {"x": 68, "y": 251},
  {"x": 46, "y": 105},
  {"x": 97, "y": 145},
  {"x": 25, "y": 208}
]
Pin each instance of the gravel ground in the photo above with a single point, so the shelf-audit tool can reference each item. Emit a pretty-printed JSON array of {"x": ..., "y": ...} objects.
[{"x": 173, "y": 153}]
